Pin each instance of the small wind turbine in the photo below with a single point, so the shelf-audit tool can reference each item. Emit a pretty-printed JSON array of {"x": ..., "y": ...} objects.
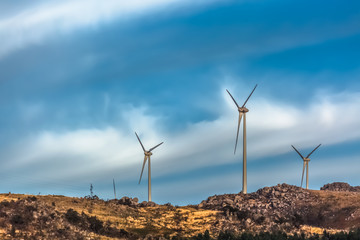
[
  {"x": 242, "y": 111},
  {"x": 306, "y": 164},
  {"x": 147, "y": 157},
  {"x": 114, "y": 188}
]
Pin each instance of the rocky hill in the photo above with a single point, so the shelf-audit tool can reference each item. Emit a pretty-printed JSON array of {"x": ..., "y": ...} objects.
[
  {"x": 341, "y": 187},
  {"x": 286, "y": 208},
  {"x": 283, "y": 207}
]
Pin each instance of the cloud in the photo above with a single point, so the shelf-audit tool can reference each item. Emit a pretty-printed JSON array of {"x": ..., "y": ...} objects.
[
  {"x": 36, "y": 23},
  {"x": 328, "y": 120},
  {"x": 272, "y": 127}
]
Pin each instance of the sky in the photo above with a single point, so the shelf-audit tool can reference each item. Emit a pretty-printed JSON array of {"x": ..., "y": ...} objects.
[{"x": 78, "y": 78}]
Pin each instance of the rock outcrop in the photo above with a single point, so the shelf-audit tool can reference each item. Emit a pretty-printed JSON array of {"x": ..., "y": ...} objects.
[
  {"x": 340, "y": 187},
  {"x": 282, "y": 207},
  {"x": 132, "y": 202}
]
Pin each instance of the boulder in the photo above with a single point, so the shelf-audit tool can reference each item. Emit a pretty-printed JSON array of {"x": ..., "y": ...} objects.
[
  {"x": 147, "y": 204},
  {"x": 128, "y": 201}
]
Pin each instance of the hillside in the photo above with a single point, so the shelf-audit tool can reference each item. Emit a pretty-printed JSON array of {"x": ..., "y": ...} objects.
[{"x": 283, "y": 207}]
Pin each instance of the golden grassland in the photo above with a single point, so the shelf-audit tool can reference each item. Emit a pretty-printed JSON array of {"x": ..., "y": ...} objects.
[{"x": 165, "y": 220}]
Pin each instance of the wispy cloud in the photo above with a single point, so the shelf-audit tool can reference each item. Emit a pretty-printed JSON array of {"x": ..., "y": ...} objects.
[
  {"x": 36, "y": 23},
  {"x": 272, "y": 127}
]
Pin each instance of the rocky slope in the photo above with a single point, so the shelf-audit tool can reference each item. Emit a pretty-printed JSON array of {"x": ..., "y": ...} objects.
[
  {"x": 286, "y": 208},
  {"x": 283, "y": 207}
]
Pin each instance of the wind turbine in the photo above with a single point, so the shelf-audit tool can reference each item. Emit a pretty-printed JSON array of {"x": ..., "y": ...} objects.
[
  {"x": 147, "y": 157},
  {"x": 114, "y": 188},
  {"x": 242, "y": 111},
  {"x": 306, "y": 164}
]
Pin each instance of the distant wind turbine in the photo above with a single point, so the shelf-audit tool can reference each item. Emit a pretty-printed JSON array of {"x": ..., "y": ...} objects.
[
  {"x": 147, "y": 157},
  {"x": 114, "y": 188},
  {"x": 306, "y": 164},
  {"x": 242, "y": 111}
]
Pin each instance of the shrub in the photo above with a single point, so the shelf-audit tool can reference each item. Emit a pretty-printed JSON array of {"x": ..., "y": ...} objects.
[
  {"x": 95, "y": 224},
  {"x": 72, "y": 216},
  {"x": 17, "y": 220}
]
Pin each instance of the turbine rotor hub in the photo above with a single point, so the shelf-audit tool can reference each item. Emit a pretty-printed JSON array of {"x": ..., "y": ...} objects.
[
  {"x": 148, "y": 154},
  {"x": 307, "y": 159},
  {"x": 243, "y": 109}
]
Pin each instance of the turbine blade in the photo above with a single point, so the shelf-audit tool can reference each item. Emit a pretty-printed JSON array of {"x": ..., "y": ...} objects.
[
  {"x": 142, "y": 170},
  {"x": 237, "y": 134},
  {"x": 298, "y": 152},
  {"x": 140, "y": 142},
  {"x": 302, "y": 177},
  {"x": 232, "y": 98},
  {"x": 155, "y": 146},
  {"x": 249, "y": 96},
  {"x": 313, "y": 150}
]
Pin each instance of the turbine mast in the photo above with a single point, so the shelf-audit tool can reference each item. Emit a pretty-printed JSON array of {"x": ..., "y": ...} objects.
[
  {"x": 244, "y": 190},
  {"x": 149, "y": 181},
  {"x": 307, "y": 175}
]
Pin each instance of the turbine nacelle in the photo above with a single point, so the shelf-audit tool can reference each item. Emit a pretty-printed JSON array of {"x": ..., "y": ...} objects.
[
  {"x": 306, "y": 159},
  {"x": 243, "y": 110},
  {"x": 147, "y": 153}
]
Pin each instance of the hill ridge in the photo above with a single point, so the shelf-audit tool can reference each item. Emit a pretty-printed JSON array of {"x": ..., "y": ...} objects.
[{"x": 282, "y": 207}]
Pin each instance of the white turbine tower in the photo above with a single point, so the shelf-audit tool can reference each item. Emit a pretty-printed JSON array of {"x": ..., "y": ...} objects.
[
  {"x": 306, "y": 164},
  {"x": 242, "y": 111},
  {"x": 147, "y": 157}
]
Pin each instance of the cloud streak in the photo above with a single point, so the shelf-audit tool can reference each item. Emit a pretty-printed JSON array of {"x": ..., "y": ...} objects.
[
  {"x": 36, "y": 23},
  {"x": 272, "y": 127}
]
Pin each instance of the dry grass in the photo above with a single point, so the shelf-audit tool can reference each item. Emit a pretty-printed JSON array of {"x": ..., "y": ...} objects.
[
  {"x": 188, "y": 221},
  {"x": 339, "y": 199},
  {"x": 346, "y": 205},
  {"x": 170, "y": 221},
  {"x": 316, "y": 230}
]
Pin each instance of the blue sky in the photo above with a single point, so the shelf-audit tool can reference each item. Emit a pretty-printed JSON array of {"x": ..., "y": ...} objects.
[{"x": 78, "y": 78}]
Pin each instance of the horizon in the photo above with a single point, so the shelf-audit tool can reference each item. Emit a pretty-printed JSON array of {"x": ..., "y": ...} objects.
[{"x": 79, "y": 78}]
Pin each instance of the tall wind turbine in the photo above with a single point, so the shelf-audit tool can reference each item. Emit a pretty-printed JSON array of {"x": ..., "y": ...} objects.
[
  {"x": 306, "y": 164},
  {"x": 242, "y": 111},
  {"x": 147, "y": 157}
]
